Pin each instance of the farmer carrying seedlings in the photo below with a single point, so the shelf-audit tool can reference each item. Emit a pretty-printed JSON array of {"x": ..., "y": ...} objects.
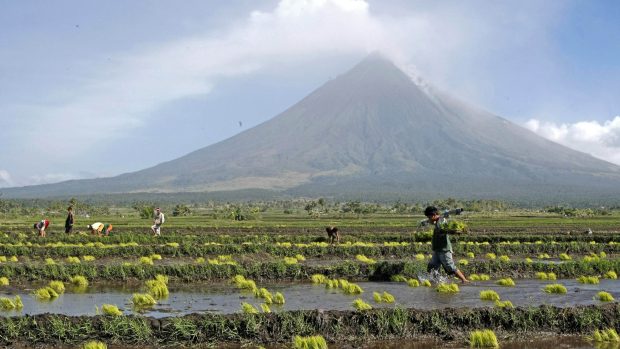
[
  {"x": 41, "y": 226},
  {"x": 442, "y": 248},
  {"x": 98, "y": 228},
  {"x": 158, "y": 220}
]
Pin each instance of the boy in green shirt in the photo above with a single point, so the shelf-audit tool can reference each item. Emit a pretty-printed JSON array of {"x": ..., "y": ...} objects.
[{"x": 442, "y": 248}]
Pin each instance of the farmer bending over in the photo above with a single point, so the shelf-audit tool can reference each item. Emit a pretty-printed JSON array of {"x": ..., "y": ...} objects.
[
  {"x": 41, "y": 226},
  {"x": 442, "y": 248},
  {"x": 98, "y": 228}
]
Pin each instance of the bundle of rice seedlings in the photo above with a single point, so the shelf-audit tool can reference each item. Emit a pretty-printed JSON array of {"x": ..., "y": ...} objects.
[
  {"x": 57, "y": 286},
  {"x": 13, "y": 259},
  {"x": 592, "y": 280},
  {"x": 88, "y": 258},
  {"x": 604, "y": 296},
  {"x": 377, "y": 297},
  {"x": 541, "y": 275},
  {"x": 491, "y": 255},
  {"x": 489, "y": 295},
  {"x": 413, "y": 283},
  {"x": 565, "y": 257},
  {"x": 608, "y": 335},
  {"x": 398, "y": 278},
  {"x": 172, "y": 244},
  {"x": 479, "y": 277},
  {"x": 3, "y": 259},
  {"x": 332, "y": 283},
  {"x": 318, "y": 279},
  {"x": 419, "y": 257},
  {"x": 555, "y": 288},
  {"x": 143, "y": 300},
  {"x": 463, "y": 262},
  {"x": 426, "y": 283},
  {"x": 505, "y": 282},
  {"x": 290, "y": 260},
  {"x": 278, "y": 299},
  {"x": 387, "y": 298},
  {"x": 155, "y": 257},
  {"x": 504, "y": 258},
  {"x": 528, "y": 260},
  {"x": 94, "y": 345},
  {"x": 311, "y": 342},
  {"x": 610, "y": 275},
  {"x": 265, "y": 308},
  {"x": 200, "y": 260},
  {"x": 8, "y": 304},
  {"x": 248, "y": 308},
  {"x": 603, "y": 254},
  {"x": 359, "y": 304},
  {"x": 79, "y": 281},
  {"x": 264, "y": 294},
  {"x": 73, "y": 260},
  {"x": 157, "y": 289},
  {"x": 351, "y": 288},
  {"x": 49, "y": 261},
  {"x": 145, "y": 260},
  {"x": 364, "y": 259},
  {"x": 543, "y": 256},
  {"x": 551, "y": 276},
  {"x": 4, "y": 281},
  {"x": 45, "y": 293},
  {"x": 110, "y": 309},
  {"x": 483, "y": 339},
  {"x": 448, "y": 288},
  {"x": 454, "y": 226},
  {"x": 504, "y": 304},
  {"x": 300, "y": 258}
]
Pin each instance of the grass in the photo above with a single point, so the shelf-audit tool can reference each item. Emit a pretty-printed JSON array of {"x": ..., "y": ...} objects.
[
  {"x": 111, "y": 309},
  {"x": 311, "y": 342},
  {"x": 448, "y": 288},
  {"x": 426, "y": 283},
  {"x": 351, "y": 288},
  {"x": 483, "y": 339},
  {"x": 94, "y": 345},
  {"x": 88, "y": 258},
  {"x": 607, "y": 335},
  {"x": 555, "y": 288},
  {"x": 242, "y": 283},
  {"x": 508, "y": 282},
  {"x": 604, "y": 296},
  {"x": 489, "y": 295},
  {"x": 590, "y": 280},
  {"x": 359, "y": 304},
  {"x": 471, "y": 255},
  {"x": 143, "y": 300}
]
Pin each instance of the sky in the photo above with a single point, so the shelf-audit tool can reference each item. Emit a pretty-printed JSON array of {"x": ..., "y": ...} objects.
[{"x": 99, "y": 88}]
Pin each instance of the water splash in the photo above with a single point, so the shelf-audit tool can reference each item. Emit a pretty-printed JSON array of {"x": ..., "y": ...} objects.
[{"x": 434, "y": 277}]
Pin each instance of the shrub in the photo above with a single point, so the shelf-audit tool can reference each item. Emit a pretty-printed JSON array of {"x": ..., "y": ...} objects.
[
  {"x": 359, "y": 304},
  {"x": 311, "y": 342},
  {"x": 483, "y": 339},
  {"x": 604, "y": 296},
  {"x": 555, "y": 288},
  {"x": 489, "y": 295},
  {"x": 505, "y": 282}
]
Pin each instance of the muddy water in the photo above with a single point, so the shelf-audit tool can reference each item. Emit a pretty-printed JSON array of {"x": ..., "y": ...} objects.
[{"x": 221, "y": 298}]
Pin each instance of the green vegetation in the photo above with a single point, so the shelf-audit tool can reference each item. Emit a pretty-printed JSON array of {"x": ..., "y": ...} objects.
[
  {"x": 604, "y": 296},
  {"x": 506, "y": 282},
  {"x": 448, "y": 288},
  {"x": 143, "y": 300},
  {"x": 483, "y": 339},
  {"x": 607, "y": 335},
  {"x": 592, "y": 280},
  {"x": 359, "y": 304},
  {"x": 555, "y": 288},
  {"x": 110, "y": 309},
  {"x": 94, "y": 345},
  {"x": 489, "y": 295},
  {"x": 311, "y": 342}
]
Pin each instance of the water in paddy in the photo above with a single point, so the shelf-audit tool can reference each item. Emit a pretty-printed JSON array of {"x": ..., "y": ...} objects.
[{"x": 222, "y": 298}]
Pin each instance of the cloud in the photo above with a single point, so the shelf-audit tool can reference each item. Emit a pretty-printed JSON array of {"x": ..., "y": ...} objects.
[
  {"x": 601, "y": 140},
  {"x": 5, "y": 179}
]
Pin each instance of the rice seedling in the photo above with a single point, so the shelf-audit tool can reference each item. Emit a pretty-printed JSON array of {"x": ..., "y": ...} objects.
[
  {"x": 364, "y": 259},
  {"x": 111, "y": 309},
  {"x": 448, "y": 288},
  {"x": 528, "y": 260},
  {"x": 565, "y": 257},
  {"x": 541, "y": 275},
  {"x": 471, "y": 255},
  {"x": 483, "y": 339},
  {"x": 300, "y": 257},
  {"x": 490, "y": 256},
  {"x": 290, "y": 260},
  {"x": 551, "y": 276},
  {"x": 543, "y": 256},
  {"x": 88, "y": 258},
  {"x": 278, "y": 299},
  {"x": 11, "y": 304},
  {"x": 265, "y": 308},
  {"x": 351, "y": 288},
  {"x": 4, "y": 281},
  {"x": 610, "y": 275},
  {"x": 94, "y": 345},
  {"x": 13, "y": 259},
  {"x": 264, "y": 294},
  {"x": 79, "y": 281},
  {"x": 359, "y": 304},
  {"x": 413, "y": 283},
  {"x": 49, "y": 261},
  {"x": 504, "y": 304},
  {"x": 3, "y": 259},
  {"x": 157, "y": 289},
  {"x": 555, "y": 288},
  {"x": 398, "y": 278},
  {"x": 318, "y": 279},
  {"x": 311, "y": 342},
  {"x": 607, "y": 335},
  {"x": 377, "y": 297},
  {"x": 155, "y": 257},
  {"x": 489, "y": 295},
  {"x": 200, "y": 260},
  {"x": 603, "y": 254},
  {"x": 506, "y": 282},
  {"x": 591, "y": 280},
  {"x": 479, "y": 277},
  {"x": 72, "y": 260},
  {"x": 504, "y": 258},
  {"x": 162, "y": 278},
  {"x": 426, "y": 283},
  {"x": 590, "y": 259},
  {"x": 387, "y": 298},
  {"x": 143, "y": 300},
  {"x": 57, "y": 286},
  {"x": 463, "y": 262},
  {"x": 604, "y": 296},
  {"x": 248, "y": 308},
  {"x": 45, "y": 293},
  {"x": 331, "y": 283},
  {"x": 145, "y": 260},
  {"x": 419, "y": 257},
  {"x": 172, "y": 244}
]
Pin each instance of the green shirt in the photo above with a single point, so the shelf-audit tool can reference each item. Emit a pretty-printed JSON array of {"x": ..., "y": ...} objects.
[{"x": 441, "y": 240}]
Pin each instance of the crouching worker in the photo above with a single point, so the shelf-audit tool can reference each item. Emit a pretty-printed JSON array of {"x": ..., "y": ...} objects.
[
  {"x": 332, "y": 234},
  {"x": 41, "y": 226},
  {"x": 442, "y": 248},
  {"x": 98, "y": 228}
]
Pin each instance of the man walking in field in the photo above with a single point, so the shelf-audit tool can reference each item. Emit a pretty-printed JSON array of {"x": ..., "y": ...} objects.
[
  {"x": 158, "y": 220},
  {"x": 442, "y": 248}
]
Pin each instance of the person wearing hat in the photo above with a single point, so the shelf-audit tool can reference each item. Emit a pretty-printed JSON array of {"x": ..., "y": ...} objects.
[
  {"x": 158, "y": 220},
  {"x": 41, "y": 226},
  {"x": 98, "y": 228}
]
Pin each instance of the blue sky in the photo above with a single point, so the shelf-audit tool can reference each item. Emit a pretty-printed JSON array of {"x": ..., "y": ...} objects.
[{"x": 101, "y": 88}]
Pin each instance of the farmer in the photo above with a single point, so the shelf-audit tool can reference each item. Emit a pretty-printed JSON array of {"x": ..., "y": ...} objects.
[
  {"x": 442, "y": 248},
  {"x": 41, "y": 226},
  {"x": 158, "y": 220},
  {"x": 332, "y": 234},
  {"x": 98, "y": 228},
  {"x": 69, "y": 220}
]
